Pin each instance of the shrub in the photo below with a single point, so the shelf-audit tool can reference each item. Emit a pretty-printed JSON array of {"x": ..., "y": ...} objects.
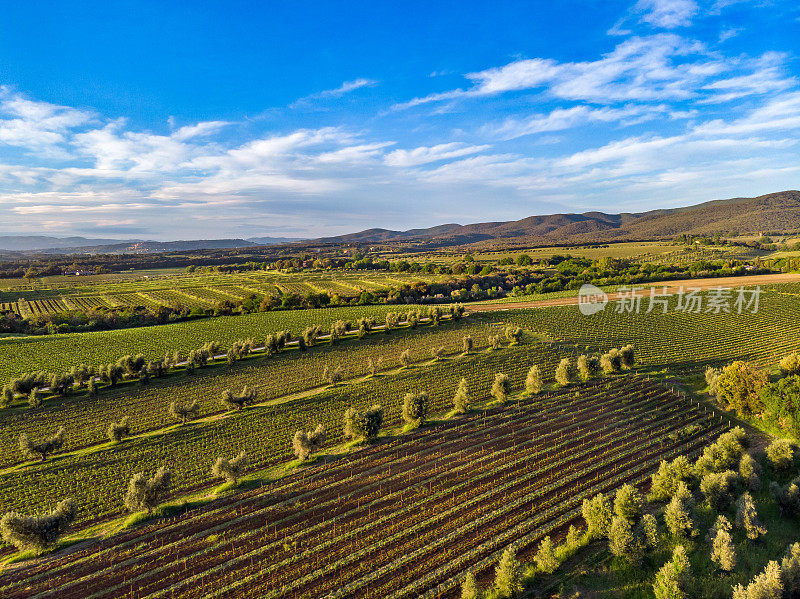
[
  {"x": 665, "y": 481},
  {"x": 747, "y": 517},
  {"x": 611, "y": 361},
  {"x": 767, "y": 585},
  {"x": 363, "y": 426},
  {"x": 238, "y": 402},
  {"x": 469, "y": 588},
  {"x": 781, "y": 454},
  {"x": 588, "y": 367},
  {"x": 306, "y": 443},
  {"x": 494, "y": 341},
  {"x": 461, "y": 400},
  {"x": 673, "y": 577},
  {"x": 563, "y": 374},
  {"x": 679, "y": 513},
  {"x": 790, "y": 570},
  {"x": 738, "y": 385},
  {"x": 39, "y": 532},
  {"x": 468, "y": 344},
  {"x": 514, "y": 335},
  {"x": 622, "y": 541},
  {"x": 722, "y": 551},
  {"x": 230, "y": 470},
  {"x": 144, "y": 494},
  {"x": 718, "y": 488},
  {"x": 42, "y": 449},
  {"x": 501, "y": 387},
  {"x": 626, "y": 356},
  {"x": 437, "y": 353},
  {"x": 649, "y": 526},
  {"x": 545, "y": 558},
  {"x": 533, "y": 381},
  {"x": 750, "y": 471},
  {"x": 787, "y": 497},
  {"x": 184, "y": 412},
  {"x": 416, "y": 407},
  {"x": 405, "y": 358},
  {"x": 790, "y": 364},
  {"x": 333, "y": 376},
  {"x": 597, "y": 514},
  {"x": 507, "y": 577},
  {"x": 628, "y": 504},
  {"x": 116, "y": 431}
]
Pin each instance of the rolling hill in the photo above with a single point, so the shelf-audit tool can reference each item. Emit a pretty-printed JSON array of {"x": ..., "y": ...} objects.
[{"x": 772, "y": 212}]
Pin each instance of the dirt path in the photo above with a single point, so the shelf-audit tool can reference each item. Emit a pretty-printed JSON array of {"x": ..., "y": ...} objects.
[{"x": 671, "y": 287}]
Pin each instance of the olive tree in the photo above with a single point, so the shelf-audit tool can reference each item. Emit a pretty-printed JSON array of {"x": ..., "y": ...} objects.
[
  {"x": 238, "y": 402},
  {"x": 363, "y": 426},
  {"x": 747, "y": 517},
  {"x": 333, "y": 376},
  {"x": 533, "y": 381},
  {"x": 501, "y": 387},
  {"x": 767, "y": 585},
  {"x": 545, "y": 558},
  {"x": 41, "y": 449},
  {"x": 416, "y": 407},
  {"x": 118, "y": 430},
  {"x": 38, "y": 532},
  {"x": 184, "y": 412},
  {"x": 673, "y": 578},
  {"x": 144, "y": 494},
  {"x": 230, "y": 470},
  {"x": 306, "y": 443},
  {"x": 597, "y": 514},
  {"x": 468, "y": 344},
  {"x": 564, "y": 372},
  {"x": 507, "y": 576},
  {"x": 679, "y": 513},
  {"x": 781, "y": 454},
  {"x": 462, "y": 399},
  {"x": 588, "y": 367},
  {"x": 723, "y": 553}
]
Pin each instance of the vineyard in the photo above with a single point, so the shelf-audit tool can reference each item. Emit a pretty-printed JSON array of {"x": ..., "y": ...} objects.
[
  {"x": 679, "y": 340},
  {"x": 265, "y": 432},
  {"x": 275, "y": 376},
  {"x": 52, "y": 295},
  {"x": 54, "y": 353},
  {"x": 404, "y": 518}
]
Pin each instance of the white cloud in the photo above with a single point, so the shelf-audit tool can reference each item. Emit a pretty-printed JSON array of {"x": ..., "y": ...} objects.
[
  {"x": 345, "y": 88},
  {"x": 668, "y": 13},
  {"x": 654, "y": 68},
  {"x": 428, "y": 154},
  {"x": 40, "y": 128},
  {"x": 566, "y": 118}
]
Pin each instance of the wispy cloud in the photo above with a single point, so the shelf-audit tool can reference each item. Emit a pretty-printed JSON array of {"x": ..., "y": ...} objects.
[
  {"x": 667, "y": 14},
  {"x": 428, "y": 154},
  {"x": 344, "y": 88}
]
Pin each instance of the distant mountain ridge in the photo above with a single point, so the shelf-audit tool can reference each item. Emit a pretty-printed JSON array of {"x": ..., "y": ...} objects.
[
  {"x": 772, "y": 212},
  {"x": 50, "y": 245}
]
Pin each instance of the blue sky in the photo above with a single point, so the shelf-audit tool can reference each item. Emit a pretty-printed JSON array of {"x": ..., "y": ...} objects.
[{"x": 178, "y": 120}]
